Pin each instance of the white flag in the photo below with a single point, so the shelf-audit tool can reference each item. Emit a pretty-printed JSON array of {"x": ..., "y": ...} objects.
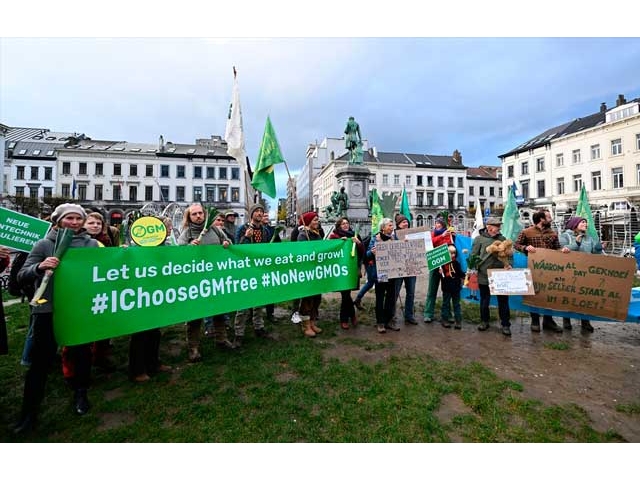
[
  {"x": 234, "y": 134},
  {"x": 479, "y": 224}
]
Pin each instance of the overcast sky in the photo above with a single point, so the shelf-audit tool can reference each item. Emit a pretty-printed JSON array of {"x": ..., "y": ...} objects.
[{"x": 482, "y": 96}]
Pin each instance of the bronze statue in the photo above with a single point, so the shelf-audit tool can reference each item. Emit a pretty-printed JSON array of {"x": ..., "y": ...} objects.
[
  {"x": 342, "y": 200},
  {"x": 353, "y": 141}
]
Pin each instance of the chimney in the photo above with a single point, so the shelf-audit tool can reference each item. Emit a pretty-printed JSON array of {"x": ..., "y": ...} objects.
[
  {"x": 603, "y": 107},
  {"x": 161, "y": 144},
  {"x": 457, "y": 157},
  {"x": 621, "y": 100}
]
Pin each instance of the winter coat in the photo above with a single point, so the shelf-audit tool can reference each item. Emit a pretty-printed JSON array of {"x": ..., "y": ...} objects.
[
  {"x": 370, "y": 257},
  {"x": 487, "y": 260},
  {"x": 30, "y": 273},
  {"x": 453, "y": 277},
  {"x": 586, "y": 244},
  {"x": 213, "y": 236},
  {"x": 242, "y": 239}
]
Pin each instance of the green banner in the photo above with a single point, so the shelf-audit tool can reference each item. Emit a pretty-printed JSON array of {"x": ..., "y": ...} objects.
[
  {"x": 108, "y": 292},
  {"x": 20, "y": 231},
  {"x": 438, "y": 257}
]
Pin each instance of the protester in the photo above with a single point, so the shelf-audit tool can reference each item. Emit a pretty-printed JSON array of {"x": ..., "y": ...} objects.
[
  {"x": 275, "y": 237},
  {"x": 342, "y": 230},
  {"x": 40, "y": 259},
  {"x": 5, "y": 259},
  {"x": 229, "y": 226},
  {"x": 251, "y": 233},
  {"x": 540, "y": 235},
  {"x": 385, "y": 290},
  {"x": 309, "y": 305},
  {"x": 487, "y": 237},
  {"x": 369, "y": 268},
  {"x": 440, "y": 235},
  {"x": 402, "y": 222},
  {"x": 452, "y": 278},
  {"x": 576, "y": 239}
]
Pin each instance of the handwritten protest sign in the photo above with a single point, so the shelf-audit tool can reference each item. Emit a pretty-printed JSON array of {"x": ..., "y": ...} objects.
[
  {"x": 438, "y": 257},
  {"x": 19, "y": 231},
  {"x": 597, "y": 285},
  {"x": 400, "y": 258},
  {"x": 419, "y": 232},
  {"x": 514, "y": 281}
]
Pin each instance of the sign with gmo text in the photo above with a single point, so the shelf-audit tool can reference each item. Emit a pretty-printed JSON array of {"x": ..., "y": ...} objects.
[
  {"x": 19, "y": 231},
  {"x": 438, "y": 257},
  {"x": 148, "y": 232}
]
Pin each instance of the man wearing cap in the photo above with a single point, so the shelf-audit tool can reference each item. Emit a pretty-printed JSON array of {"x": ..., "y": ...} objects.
[
  {"x": 440, "y": 235},
  {"x": 540, "y": 235},
  {"x": 40, "y": 260},
  {"x": 487, "y": 236},
  {"x": 252, "y": 232}
]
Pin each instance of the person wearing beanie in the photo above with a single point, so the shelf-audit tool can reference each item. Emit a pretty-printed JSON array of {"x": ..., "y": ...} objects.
[
  {"x": 540, "y": 235},
  {"x": 43, "y": 351},
  {"x": 575, "y": 238},
  {"x": 402, "y": 222},
  {"x": 229, "y": 226},
  {"x": 309, "y": 306},
  {"x": 385, "y": 290},
  {"x": 252, "y": 232},
  {"x": 440, "y": 235}
]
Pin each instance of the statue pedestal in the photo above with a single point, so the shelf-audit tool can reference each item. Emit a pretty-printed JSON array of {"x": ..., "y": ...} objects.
[{"x": 355, "y": 180}]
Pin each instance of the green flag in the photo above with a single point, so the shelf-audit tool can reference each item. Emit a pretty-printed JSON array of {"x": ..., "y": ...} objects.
[
  {"x": 584, "y": 210},
  {"x": 404, "y": 205},
  {"x": 270, "y": 154},
  {"x": 511, "y": 225},
  {"x": 376, "y": 212}
]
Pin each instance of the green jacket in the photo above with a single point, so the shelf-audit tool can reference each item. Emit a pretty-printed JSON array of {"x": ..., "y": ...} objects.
[{"x": 487, "y": 260}]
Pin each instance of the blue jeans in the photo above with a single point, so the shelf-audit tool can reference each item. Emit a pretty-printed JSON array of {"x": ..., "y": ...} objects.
[
  {"x": 449, "y": 298},
  {"x": 371, "y": 281},
  {"x": 434, "y": 283},
  {"x": 410, "y": 293}
]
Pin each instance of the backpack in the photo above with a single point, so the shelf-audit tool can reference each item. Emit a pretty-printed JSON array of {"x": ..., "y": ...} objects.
[{"x": 15, "y": 288}]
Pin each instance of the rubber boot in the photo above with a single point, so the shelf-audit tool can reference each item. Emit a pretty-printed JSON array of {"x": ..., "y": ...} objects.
[
  {"x": 566, "y": 323},
  {"x": 193, "y": 341},
  {"x": 307, "y": 330},
  {"x": 220, "y": 334},
  {"x": 586, "y": 326},
  {"x": 314, "y": 327}
]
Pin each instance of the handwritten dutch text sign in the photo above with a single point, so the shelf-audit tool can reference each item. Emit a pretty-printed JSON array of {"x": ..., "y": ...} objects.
[
  {"x": 400, "y": 258},
  {"x": 598, "y": 285},
  {"x": 423, "y": 233},
  {"x": 514, "y": 281}
]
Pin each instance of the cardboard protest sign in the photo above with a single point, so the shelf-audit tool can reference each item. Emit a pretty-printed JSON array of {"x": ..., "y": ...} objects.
[
  {"x": 400, "y": 258},
  {"x": 598, "y": 285},
  {"x": 419, "y": 232},
  {"x": 20, "y": 231},
  {"x": 514, "y": 281}
]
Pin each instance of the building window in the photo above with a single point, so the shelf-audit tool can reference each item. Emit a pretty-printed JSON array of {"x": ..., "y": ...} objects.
[
  {"x": 66, "y": 168},
  {"x": 460, "y": 182},
  {"x": 97, "y": 192},
  {"x": 616, "y": 146},
  {"x": 560, "y": 186},
  {"x": 500, "y": 192},
  {"x": 441, "y": 185},
  {"x": 595, "y": 152},
  {"x": 638, "y": 173},
  {"x": 148, "y": 193},
  {"x": 82, "y": 192},
  {"x": 65, "y": 190},
  {"x": 540, "y": 164},
  {"x": 117, "y": 169},
  {"x": 222, "y": 173},
  {"x": 197, "y": 172},
  {"x": 510, "y": 171},
  {"x": 524, "y": 170},
  {"x": 47, "y": 192},
  {"x": 407, "y": 180},
  {"x": 133, "y": 193},
  {"x": 420, "y": 198},
  {"x": 164, "y": 171},
  {"x": 429, "y": 181},
  {"x": 575, "y": 156},
  {"x": 34, "y": 173},
  {"x": 385, "y": 179},
  {"x": 235, "y": 173},
  {"x": 99, "y": 169},
  {"x": 441, "y": 199},
  {"x": 471, "y": 190},
  {"x": 180, "y": 171},
  {"x": 222, "y": 193},
  {"x": 197, "y": 193},
  {"x": 450, "y": 182},
  {"x": 48, "y": 173},
  {"x": 235, "y": 194},
  {"x": 429, "y": 199},
  {"x": 541, "y": 192},
  {"x": 577, "y": 183},
  {"x": 33, "y": 193},
  {"x": 117, "y": 192},
  {"x": 133, "y": 170},
  {"x": 637, "y": 141},
  {"x": 492, "y": 191},
  {"x": 596, "y": 180},
  {"x": 481, "y": 191},
  {"x": 211, "y": 172},
  {"x": 210, "y": 193},
  {"x": 617, "y": 177},
  {"x": 82, "y": 168},
  {"x": 396, "y": 179},
  {"x": 179, "y": 194},
  {"x": 164, "y": 193},
  {"x": 148, "y": 170},
  {"x": 460, "y": 199},
  {"x": 20, "y": 191},
  {"x": 419, "y": 180},
  {"x": 524, "y": 188},
  {"x": 559, "y": 160}
]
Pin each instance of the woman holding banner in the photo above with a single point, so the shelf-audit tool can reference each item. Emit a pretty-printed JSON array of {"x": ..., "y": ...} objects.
[
  {"x": 42, "y": 258},
  {"x": 310, "y": 305},
  {"x": 575, "y": 238}
]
